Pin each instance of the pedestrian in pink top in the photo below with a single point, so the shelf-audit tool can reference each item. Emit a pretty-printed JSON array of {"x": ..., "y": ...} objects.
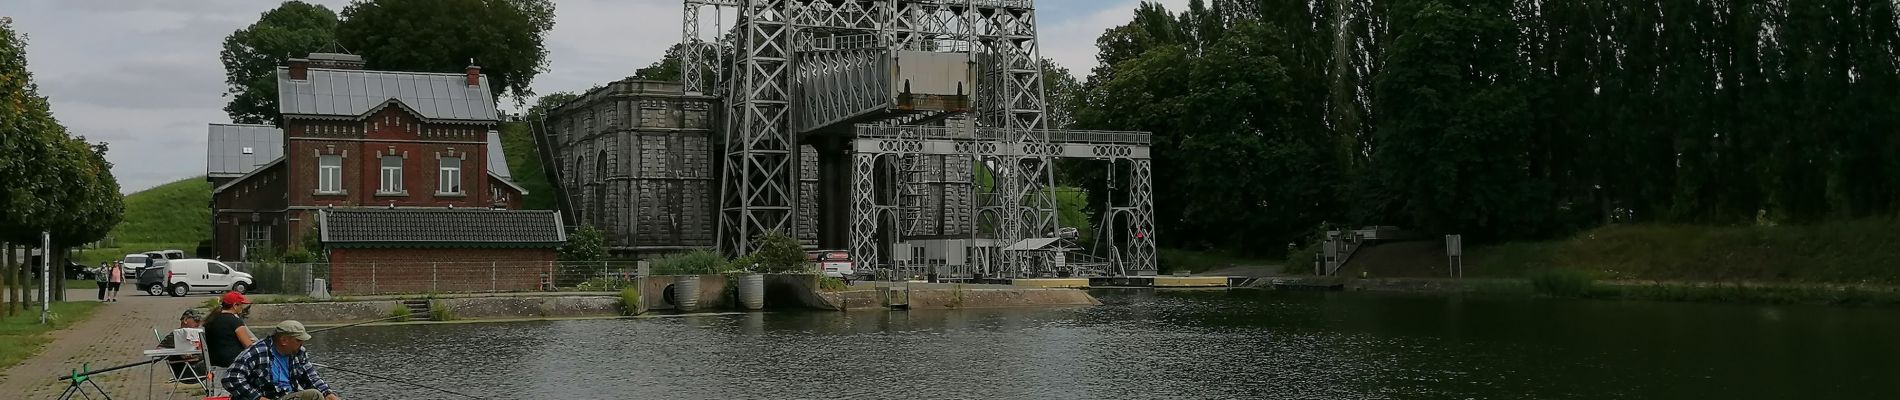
[{"x": 115, "y": 277}]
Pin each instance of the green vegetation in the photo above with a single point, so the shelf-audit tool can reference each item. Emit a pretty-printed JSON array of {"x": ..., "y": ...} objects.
[
  {"x": 251, "y": 56},
  {"x": 696, "y": 262},
  {"x": 1857, "y": 252},
  {"x": 630, "y": 300},
  {"x": 1570, "y": 116},
  {"x": 172, "y": 216},
  {"x": 780, "y": 254},
  {"x": 1563, "y": 283},
  {"x": 524, "y": 164},
  {"x": 438, "y": 311},
  {"x": 400, "y": 311},
  {"x": 21, "y": 335},
  {"x": 50, "y": 180},
  {"x": 586, "y": 244},
  {"x": 829, "y": 284},
  {"x": 1172, "y": 260}
]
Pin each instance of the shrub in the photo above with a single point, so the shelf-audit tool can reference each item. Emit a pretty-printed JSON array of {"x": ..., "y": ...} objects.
[
  {"x": 781, "y": 254},
  {"x": 829, "y": 284},
  {"x": 1563, "y": 283},
  {"x": 440, "y": 312},
  {"x": 587, "y": 244},
  {"x": 696, "y": 262},
  {"x": 398, "y": 311},
  {"x": 630, "y": 300}
]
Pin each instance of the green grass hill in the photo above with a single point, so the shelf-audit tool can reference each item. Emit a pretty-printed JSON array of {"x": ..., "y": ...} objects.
[
  {"x": 1839, "y": 252},
  {"x": 517, "y": 140},
  {"x": 175, "y": 215}
]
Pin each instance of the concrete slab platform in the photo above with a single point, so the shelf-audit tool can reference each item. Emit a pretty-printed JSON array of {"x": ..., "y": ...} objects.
[
  {"x": 1067, "y": 283},
  {"x": 1189, "y": 281}
]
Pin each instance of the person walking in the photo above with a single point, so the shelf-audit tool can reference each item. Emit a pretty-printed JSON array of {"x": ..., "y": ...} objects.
[
  {"x": 99, "y": 276},
  {"x": 115, "y": 276}
]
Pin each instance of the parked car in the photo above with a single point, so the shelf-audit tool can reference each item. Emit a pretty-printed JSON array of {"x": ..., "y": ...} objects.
[
  {"x": 136, "y": 262},
  {"x": 152, "y": 280},
  {"x": 183, "y": 276},
  {"x": 833, "y": 263},
  {"x": 73, "y": 270}
]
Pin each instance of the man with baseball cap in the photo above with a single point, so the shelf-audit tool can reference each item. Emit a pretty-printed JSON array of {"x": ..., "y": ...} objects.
[
  {"x": 186, "y": 369},
  {"x": 277, "y": 368}
]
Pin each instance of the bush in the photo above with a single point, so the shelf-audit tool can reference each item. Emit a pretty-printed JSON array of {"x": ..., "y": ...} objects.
[
  {"x": 398, "y": 311},
  {"x": 587, "y": 244},
  {"x": 1563, "y": 283},
  {"x": 780, "y": 254},
  {"x": 829, "y": 284},
  {"x": 696, "y": 262},
  {"x": 630, "y": 300},
  {"x": 440, "y": 312}
]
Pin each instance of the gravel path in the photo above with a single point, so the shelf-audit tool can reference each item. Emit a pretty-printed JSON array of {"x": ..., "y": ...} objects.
[{"x": 114, "y": 335}]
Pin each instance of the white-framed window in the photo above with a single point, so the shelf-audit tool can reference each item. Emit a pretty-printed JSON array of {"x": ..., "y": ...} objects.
[
  {"x": 330, "y": 174},
  {"x": 256, "y": 239},
  {"x": 391, "y": 177},
  {"x": 449, "y": 176}
]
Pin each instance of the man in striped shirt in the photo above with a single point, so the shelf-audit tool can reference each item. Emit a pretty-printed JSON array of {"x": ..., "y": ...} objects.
[{"x": 277, "y": 369}]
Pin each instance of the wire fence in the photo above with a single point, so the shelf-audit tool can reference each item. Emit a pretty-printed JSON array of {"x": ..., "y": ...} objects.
[{"x": 379, "y": 278}]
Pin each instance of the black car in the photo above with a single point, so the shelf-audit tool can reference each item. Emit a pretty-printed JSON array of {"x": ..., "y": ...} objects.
[{"x": 73, "y": 270}]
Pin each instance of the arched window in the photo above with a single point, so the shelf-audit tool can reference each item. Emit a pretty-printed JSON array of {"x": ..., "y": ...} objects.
[{"x": 600, "y": 190}]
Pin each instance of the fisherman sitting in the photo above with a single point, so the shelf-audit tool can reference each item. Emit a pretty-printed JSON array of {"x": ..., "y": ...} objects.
[
  {"x": 277, "y": 369},
  {"x": 186, "y": 369}
]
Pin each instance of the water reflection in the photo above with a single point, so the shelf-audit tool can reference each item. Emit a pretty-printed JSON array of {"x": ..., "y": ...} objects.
[{"x": 1147, "y": 344}]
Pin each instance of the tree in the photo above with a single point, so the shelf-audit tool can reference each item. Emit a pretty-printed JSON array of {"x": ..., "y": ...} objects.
[
  {"x": 549, "y": 102},
  {"x": 251, "y": 56},
  {"x": 504, "y": 37},
  {"x": 49, "y": 181},
  {"x": 587, "y": 244}
]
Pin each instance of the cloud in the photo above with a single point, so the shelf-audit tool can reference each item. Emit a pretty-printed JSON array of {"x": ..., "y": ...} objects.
[
  {"x": 144, "y": 74},
  {"x": 1071, "y": 41}
]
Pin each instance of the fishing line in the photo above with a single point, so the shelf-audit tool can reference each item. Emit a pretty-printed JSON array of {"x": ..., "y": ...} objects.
[
  {"x": 395, "y": 380},
  {"x": 359, "y": 323}
]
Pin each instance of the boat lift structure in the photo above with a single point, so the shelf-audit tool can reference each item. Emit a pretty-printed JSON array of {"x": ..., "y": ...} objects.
[{"x": 929, "y": 122}]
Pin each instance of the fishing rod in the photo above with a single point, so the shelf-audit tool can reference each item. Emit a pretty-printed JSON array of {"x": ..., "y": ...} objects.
[
  {"x": 395, "y": 380},
  {"x": 359, "y": 323}
]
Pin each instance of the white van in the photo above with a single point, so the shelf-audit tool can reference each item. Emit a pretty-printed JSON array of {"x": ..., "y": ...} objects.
[{"x": 186, "y": 275}]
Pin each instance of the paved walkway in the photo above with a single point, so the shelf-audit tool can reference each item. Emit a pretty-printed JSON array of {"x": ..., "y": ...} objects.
[{"x": 113, "y": 335}]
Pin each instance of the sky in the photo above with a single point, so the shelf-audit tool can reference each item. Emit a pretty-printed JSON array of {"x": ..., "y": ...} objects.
[{"x": 144, "y": 76}]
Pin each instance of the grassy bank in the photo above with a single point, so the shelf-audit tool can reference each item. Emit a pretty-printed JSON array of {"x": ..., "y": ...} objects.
[
  {"x": 1171, "y": 260},
  {"x": 1577, "y": 284},
  {"x": 173, "y": 216},
  {"x": 524, "y": 163},
  {"x": 22, "y": 335},
  {"x": 1858, "y": 252}
]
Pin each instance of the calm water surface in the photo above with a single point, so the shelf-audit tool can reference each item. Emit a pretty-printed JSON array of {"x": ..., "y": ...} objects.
[{"x": 1147, "y": 344}]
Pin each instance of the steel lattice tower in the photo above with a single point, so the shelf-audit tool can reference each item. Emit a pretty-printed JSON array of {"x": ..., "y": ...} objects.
[{"x": 800, "y": 67}]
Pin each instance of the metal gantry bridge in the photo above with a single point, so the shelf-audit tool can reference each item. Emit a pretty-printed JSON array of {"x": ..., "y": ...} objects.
[{"x": 932, "y": 113}]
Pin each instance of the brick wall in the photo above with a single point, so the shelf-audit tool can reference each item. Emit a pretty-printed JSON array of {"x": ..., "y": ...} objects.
[
  {"x": 391, "y": 131},
  {"x": 258, "y": 200},
  {"x": 361, "y": 271}
]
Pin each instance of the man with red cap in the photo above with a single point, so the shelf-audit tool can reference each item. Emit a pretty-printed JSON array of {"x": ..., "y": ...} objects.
[{"x": 225, "y": 334}]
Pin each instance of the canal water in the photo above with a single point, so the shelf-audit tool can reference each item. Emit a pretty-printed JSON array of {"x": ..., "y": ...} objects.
[{"x": 1146, "y": 344}]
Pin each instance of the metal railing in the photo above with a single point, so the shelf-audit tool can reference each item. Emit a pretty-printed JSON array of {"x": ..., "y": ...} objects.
[
  {"x": 400, "y": 277},
  {"x": 992, "y": 133}
]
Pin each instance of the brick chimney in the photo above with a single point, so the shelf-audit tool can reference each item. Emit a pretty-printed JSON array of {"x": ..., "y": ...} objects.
[
  {"x": 299, "y": 69},
  {"x": 474, "y": 75}
]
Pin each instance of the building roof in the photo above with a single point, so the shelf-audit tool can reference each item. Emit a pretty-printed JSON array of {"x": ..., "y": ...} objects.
[
  {"x": 238, "y": 149},
  {"x": 247, "y": 175},
  {"x": 369, "y": 227},
  {"x": 497, "y": 160},
  {"x": 356, "y": 93}
]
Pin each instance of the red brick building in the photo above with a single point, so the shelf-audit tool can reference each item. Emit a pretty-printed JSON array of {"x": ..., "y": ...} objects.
[
  {"x": 355, "y": 138},
  {"x": 418, "y": 250}
]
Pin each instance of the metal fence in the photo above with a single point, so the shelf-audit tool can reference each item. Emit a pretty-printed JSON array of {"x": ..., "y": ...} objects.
[{"x": 400, "y": 277}]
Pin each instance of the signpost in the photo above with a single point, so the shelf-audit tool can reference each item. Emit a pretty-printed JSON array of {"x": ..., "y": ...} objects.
[
  {"x": 1454, "y": 254},
  {"x": 46, "y": 275}
]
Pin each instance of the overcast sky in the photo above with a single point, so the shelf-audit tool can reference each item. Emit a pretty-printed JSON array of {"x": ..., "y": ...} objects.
[{"x": 144, "y": 75}]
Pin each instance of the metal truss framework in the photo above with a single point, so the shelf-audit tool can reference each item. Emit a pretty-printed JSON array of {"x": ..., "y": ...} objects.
[
  {"x": 881, "y": 153},
  {"x": 780, "y": 45}
]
